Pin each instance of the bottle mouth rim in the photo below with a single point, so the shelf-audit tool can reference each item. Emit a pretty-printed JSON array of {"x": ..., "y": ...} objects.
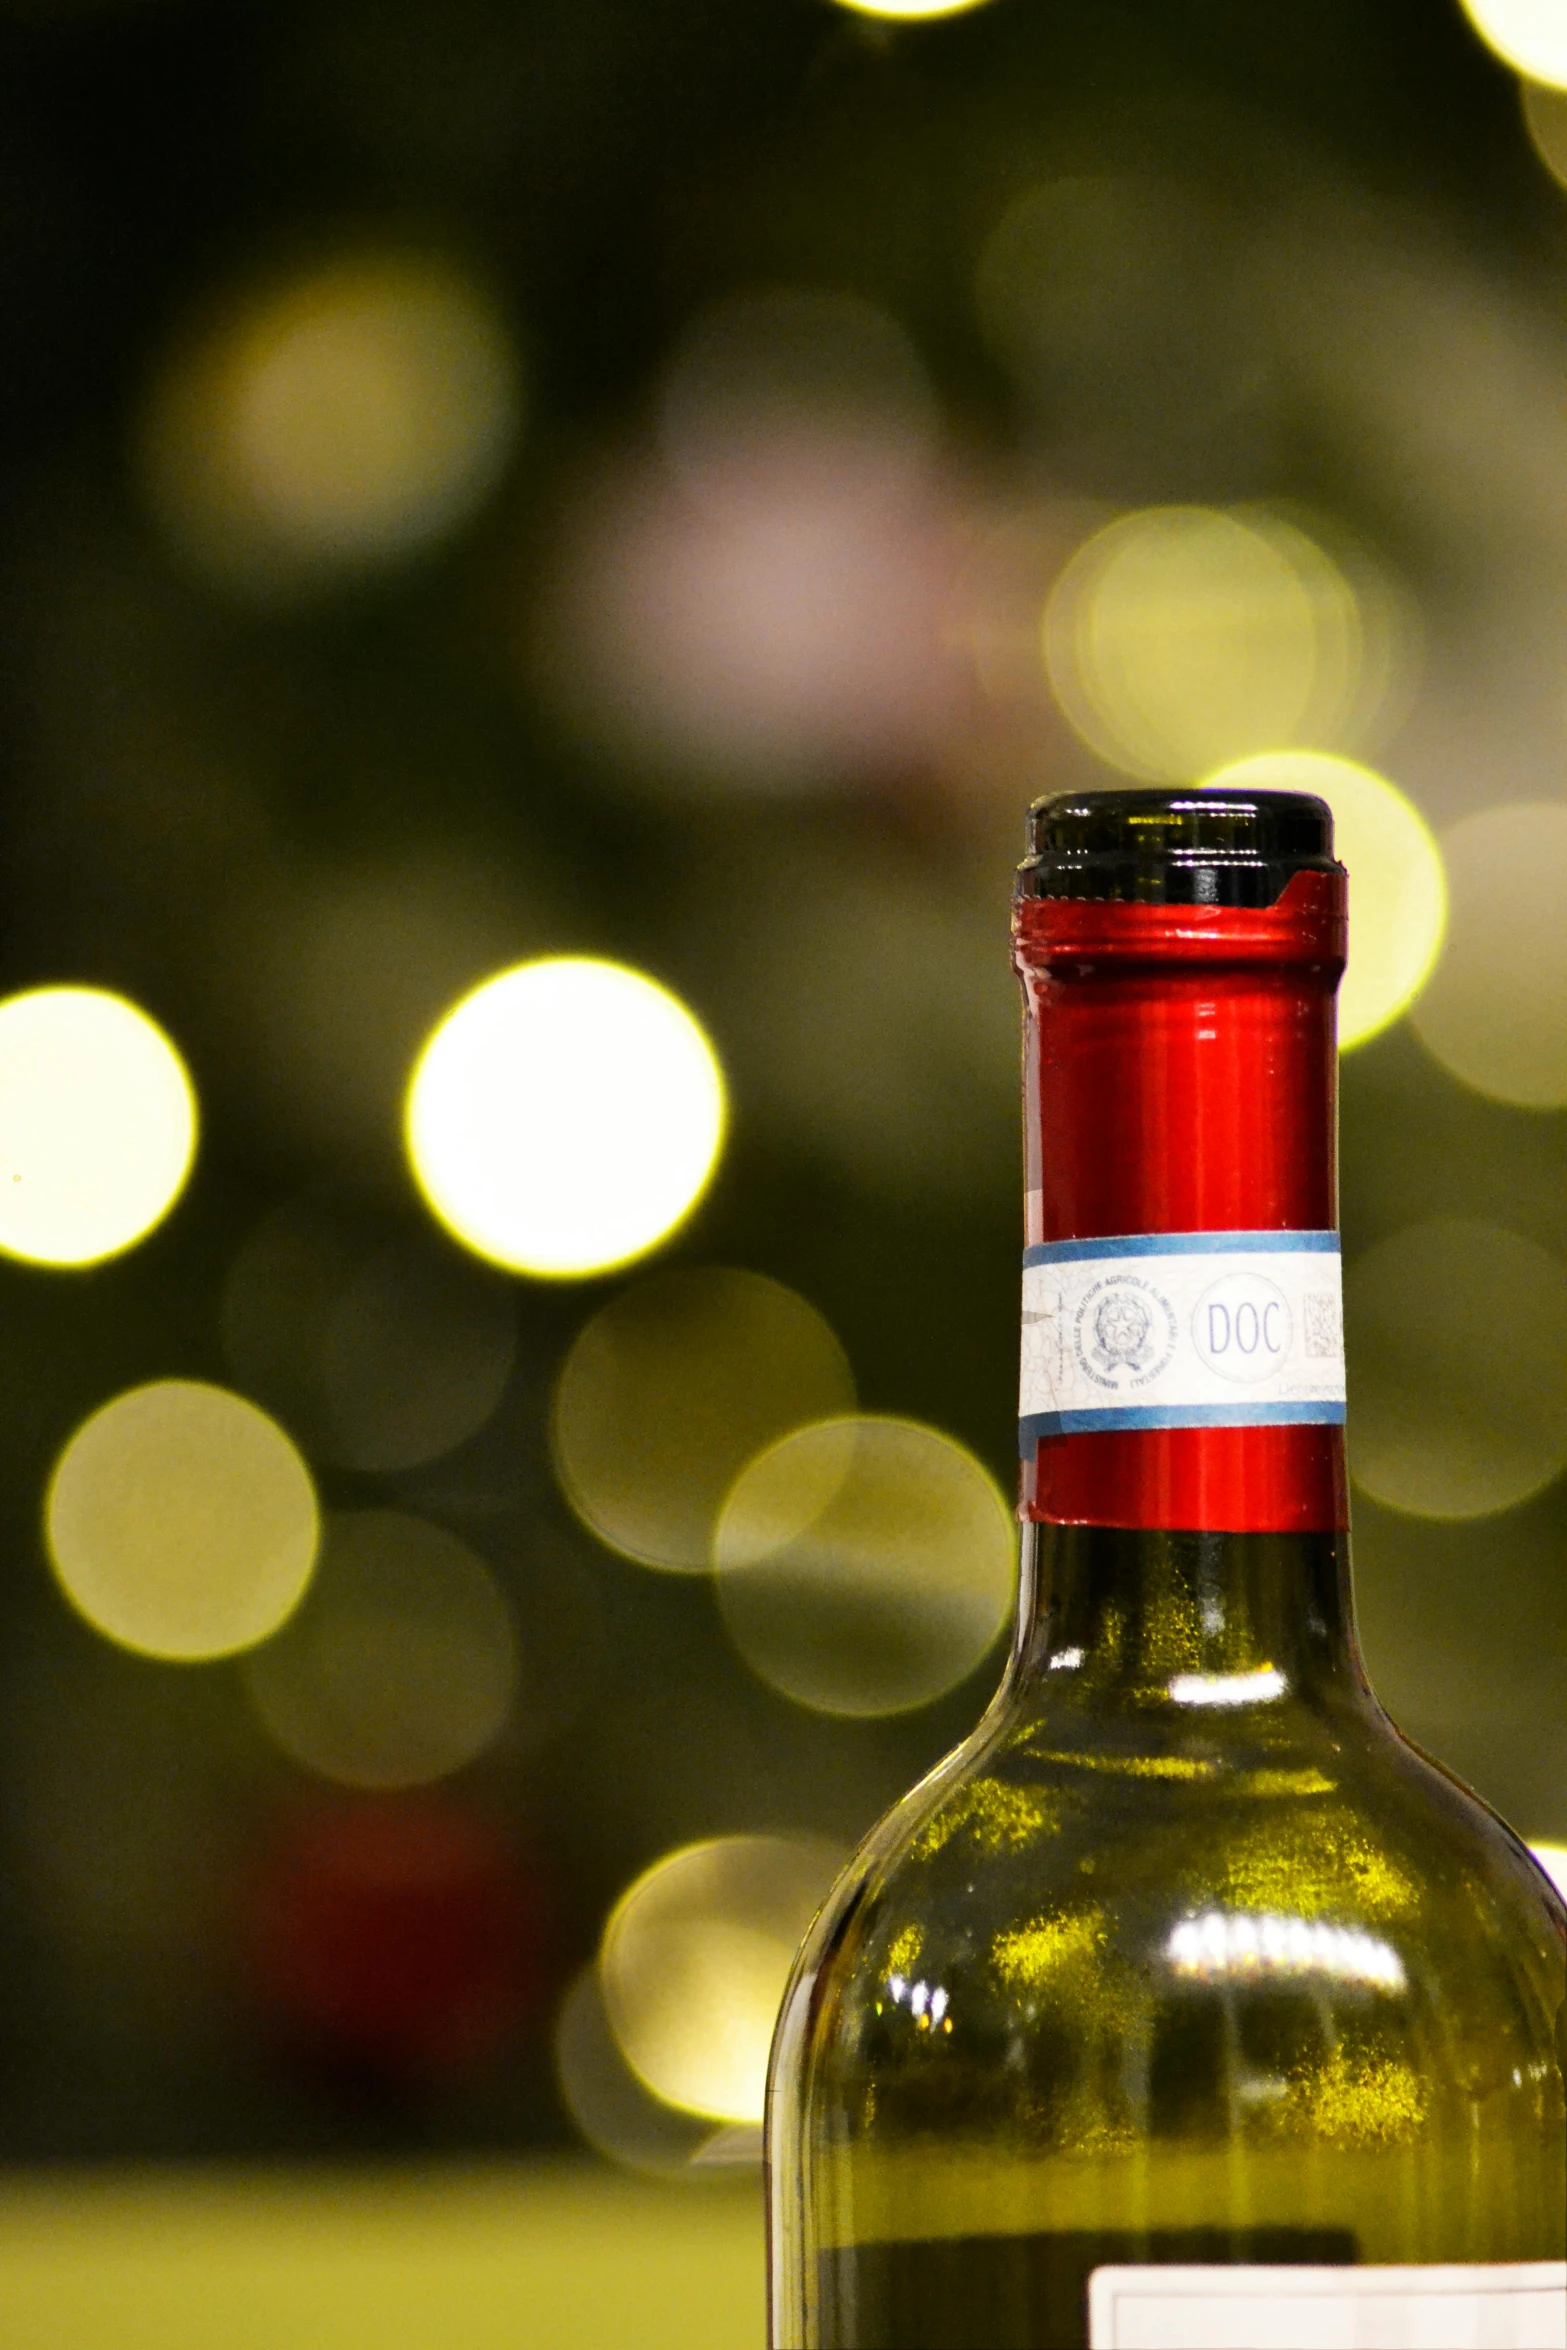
[
  {"x": 1085, "y": 934},
  {"x": 1175, "y": 848}
]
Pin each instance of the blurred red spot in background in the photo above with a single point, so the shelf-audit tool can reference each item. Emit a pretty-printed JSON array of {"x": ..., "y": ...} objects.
[{"x": 398, "y": 1939}]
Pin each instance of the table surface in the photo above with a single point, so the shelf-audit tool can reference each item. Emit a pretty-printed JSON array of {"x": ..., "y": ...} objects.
[{"x": 559, "y": 2256}]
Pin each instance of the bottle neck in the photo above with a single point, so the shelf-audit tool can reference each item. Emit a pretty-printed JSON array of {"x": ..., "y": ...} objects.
[
  {"x": 1208, "y": 1622},
  {"x": 1183, "y": 1351}
]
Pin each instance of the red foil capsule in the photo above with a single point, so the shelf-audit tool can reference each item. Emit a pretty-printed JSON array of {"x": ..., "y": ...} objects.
[{"x": 1180, "y": 1076}]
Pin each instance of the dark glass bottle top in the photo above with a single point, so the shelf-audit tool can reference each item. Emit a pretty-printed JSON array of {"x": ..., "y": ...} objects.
[{"x": 1175, "y": 848}]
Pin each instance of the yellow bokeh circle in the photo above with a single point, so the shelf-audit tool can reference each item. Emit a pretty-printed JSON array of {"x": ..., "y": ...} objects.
[
  {"x": 1457, "y": 1336},
  {"x": 695, "y": 1960},
  {"x": 910, "y": 11},
  {"x": 1545, "y": 120},
  {"x": 866, "y": 1564},
  {"x": 565, "y": 1116},
  {"x": 1397, "y": 881},
  {"x": 181, "y": 1521},
  {"x": 339, "y": 419},
  {"x": 97, "y": 1125},
  {"x": 1180, "y": 636},
  {"x": 671, "y": 1388},
  {"x": 615, "y": 2112},
  {"x": 1495, "y": 1012},
  {"x": 399, "y": 1667}
]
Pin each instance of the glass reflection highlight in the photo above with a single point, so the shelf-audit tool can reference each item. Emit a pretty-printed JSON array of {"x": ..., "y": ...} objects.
[
  {"x": 1553, "y": 1859},
  {"x": 1236, "y": 1947},
  {"x": 1257, "y": 1688}
]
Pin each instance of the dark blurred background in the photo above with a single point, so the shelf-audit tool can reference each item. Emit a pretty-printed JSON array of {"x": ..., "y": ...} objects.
[{"x": 669, "y": 484}]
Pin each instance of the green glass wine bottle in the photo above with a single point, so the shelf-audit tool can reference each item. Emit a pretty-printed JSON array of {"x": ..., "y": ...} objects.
[{"x": 1186, "y": 2002}]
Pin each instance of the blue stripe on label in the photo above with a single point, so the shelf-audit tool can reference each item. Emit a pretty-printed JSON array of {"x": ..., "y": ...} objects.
[
  {"x": 1176, "y": 1415},
  {"x": 1181, "y": 1244}
]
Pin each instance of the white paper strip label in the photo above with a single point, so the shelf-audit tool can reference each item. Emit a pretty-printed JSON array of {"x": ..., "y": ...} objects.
[
  {"x": 1510, "y": 2306},
  {"x": 1181, "y": 1330}
]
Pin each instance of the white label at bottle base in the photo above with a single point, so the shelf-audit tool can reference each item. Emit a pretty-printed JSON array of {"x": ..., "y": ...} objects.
[
  {"x": 1518, "y": 2305},
  {"x": 1181, "y": 1330}
]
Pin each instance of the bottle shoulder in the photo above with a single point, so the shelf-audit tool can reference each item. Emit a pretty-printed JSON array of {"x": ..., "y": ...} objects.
[
  {"x": 1296, "y": 1850},
  {"x": 1104, "y": 1961}
]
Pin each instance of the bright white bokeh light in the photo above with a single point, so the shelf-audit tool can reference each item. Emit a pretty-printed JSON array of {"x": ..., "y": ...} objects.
[
  {"x": 1529, "y": 35},
  {"x": 97, "y": 1125},
  {"x": 1553, "y": 1859},
  {"x": 1397, "y": 881},
  {"x": 1495, "y": 1013},
  {"x": 181, "y": 1521},
  {"x": 907, "y": 11},
  {"x": 565, "y": 1117}
]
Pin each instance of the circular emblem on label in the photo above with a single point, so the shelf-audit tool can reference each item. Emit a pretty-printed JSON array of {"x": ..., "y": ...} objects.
[
  {"x": 1242, "y": 1327},
  {"x": 1125, "y": 1331}
]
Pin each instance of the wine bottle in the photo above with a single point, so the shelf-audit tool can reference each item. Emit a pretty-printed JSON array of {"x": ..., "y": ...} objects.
[{"x": 1186, "y": 2002}]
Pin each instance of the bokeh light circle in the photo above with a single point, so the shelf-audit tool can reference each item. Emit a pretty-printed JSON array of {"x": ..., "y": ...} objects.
[
  {"x": 337, "y": 421},
  {"x": 181, "y": 1521},
  {"x": 671, "y": 1389},
  {"x": 865, "y": 1565},
  {"x": 381, "y": 1347},
  {"x": 1545, "y": 120},
  {"x": 910, "y": 11},
  {"x": 1397, "y": 881},
  {"x": 1495, "y": 1012},
  {"x": 98, "y": 1120},
  {"x": 565, "y": 1116},
  {"x": 799, "y": 382},
  {"x": 1553, "y": 1859},
  {"x": 618, "y": 2114},
  {"x": 1528, "y": 35},
  {"x": 1178, "y": 637},
  {"x": 399, "y": 1667},
  {"x": 695, "y": 1959},
  {"x": 1457, "y": 1338}
]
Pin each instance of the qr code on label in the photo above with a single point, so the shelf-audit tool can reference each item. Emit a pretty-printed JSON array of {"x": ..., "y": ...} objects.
[{"x": 1324, "y": 1323}]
